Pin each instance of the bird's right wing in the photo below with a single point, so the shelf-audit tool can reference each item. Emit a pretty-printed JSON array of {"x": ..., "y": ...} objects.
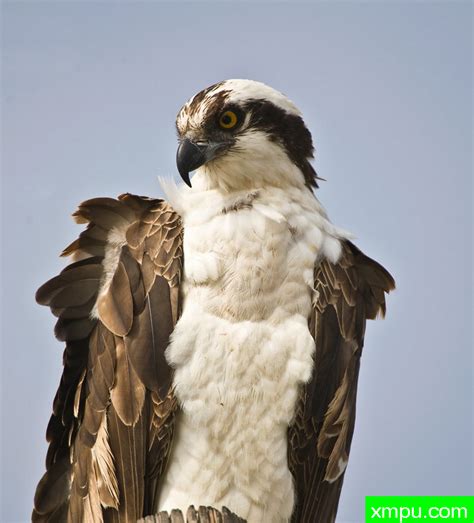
[{"x": 112, "y": 423}]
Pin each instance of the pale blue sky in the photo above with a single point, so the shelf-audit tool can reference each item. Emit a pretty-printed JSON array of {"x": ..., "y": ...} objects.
[{"x": 90, "y": 92}]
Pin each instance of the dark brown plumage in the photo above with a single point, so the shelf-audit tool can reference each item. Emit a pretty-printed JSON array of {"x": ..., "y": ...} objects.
[
  {"x": 111, "y": 427},
  {"x": 347, "y": 294},
  {"x": 112, "y": 424}
]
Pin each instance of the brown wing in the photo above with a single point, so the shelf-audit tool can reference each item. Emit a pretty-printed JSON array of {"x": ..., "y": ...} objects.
[
  {"x": 347, "y": 294},
  {"x": 112, "y": 423}
]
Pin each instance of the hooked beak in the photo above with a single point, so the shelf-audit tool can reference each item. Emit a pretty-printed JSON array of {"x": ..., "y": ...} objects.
[{"x": 191, "y": 155}]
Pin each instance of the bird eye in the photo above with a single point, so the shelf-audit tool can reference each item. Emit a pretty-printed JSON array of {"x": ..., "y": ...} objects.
[{"x": 228, "y": 120}]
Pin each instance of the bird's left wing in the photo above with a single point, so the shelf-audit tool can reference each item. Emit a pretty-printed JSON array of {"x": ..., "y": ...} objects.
[
  {"x": 347, "y": 294},
  {"x": 112, "y": 423}
]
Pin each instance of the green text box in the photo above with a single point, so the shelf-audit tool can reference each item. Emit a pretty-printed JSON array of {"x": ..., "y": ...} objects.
[{"x": 414, "y": 509}]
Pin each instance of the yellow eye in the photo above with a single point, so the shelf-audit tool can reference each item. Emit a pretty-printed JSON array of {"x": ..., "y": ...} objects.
[{"x": 228, "y": 120}]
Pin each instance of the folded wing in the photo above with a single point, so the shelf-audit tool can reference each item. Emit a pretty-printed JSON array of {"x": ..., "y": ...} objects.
[
  {"x": 112, "y": 423},
  {"x": 346, "y": 295}
]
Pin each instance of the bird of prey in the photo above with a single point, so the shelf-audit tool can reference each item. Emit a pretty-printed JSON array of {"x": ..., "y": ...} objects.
[{"x": 213, "y": 340}]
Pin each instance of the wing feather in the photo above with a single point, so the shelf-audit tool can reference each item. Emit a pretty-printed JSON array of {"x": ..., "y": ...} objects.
[
  {"x": 149, "y": 337},
  {"x": 346, "y": 295},
  {"x": 128, "y": 393},
  {"x": 115, "y": 307},
  {"x": 113, "y": 415}
]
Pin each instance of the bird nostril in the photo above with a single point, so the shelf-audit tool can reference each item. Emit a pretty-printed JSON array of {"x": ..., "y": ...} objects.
[{"x": 201, "y": 144}]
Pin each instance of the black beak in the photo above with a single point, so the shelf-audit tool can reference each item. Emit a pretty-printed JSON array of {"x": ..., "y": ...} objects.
[{"x": 189, "y": 157}]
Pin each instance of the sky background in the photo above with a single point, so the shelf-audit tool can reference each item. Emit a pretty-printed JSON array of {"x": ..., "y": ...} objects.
[{"x": 90, "y": 92}]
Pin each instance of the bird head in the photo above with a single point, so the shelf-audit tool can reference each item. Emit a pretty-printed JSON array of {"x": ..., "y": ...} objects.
[{"x": 243, "y": 134}]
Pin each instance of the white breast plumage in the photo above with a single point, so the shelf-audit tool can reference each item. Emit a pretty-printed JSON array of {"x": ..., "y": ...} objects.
[{"x": 242, "y": 347}]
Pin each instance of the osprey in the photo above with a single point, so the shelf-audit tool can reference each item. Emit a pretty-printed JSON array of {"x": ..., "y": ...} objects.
[{"x": 213, "y": 341}]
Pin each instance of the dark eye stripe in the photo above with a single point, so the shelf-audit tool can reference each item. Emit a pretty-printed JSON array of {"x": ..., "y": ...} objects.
[{"x": 287, "y": 129}]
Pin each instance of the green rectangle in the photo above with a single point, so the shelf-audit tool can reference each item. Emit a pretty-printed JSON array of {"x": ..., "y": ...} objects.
[{"x": 414, "y": 509}]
